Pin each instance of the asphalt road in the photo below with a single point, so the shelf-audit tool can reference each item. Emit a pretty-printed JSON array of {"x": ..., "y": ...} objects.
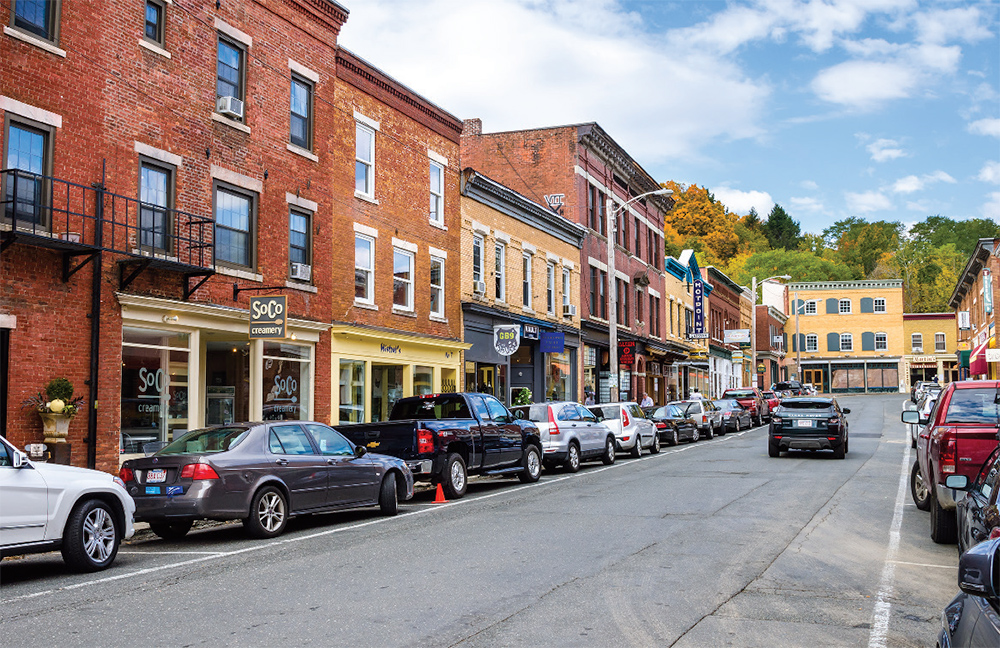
[{"x": 706, "y": 544}]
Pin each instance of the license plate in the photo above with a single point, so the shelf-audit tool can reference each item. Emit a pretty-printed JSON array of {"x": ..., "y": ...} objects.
[
  {"x": 803, "y": 423},
  {"x": 156, "y": 476}
]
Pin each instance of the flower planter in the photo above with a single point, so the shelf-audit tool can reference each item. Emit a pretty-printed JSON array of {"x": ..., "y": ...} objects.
[{"x": 55, "y": 426}]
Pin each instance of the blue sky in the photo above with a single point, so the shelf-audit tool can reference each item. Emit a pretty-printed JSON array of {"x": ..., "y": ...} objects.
[{"x": 881, "y": 109}]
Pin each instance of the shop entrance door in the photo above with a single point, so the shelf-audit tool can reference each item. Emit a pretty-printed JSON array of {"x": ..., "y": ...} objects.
[
  {"x": 816, "y": 377},
  {"x": 387, "y": 388},
  {"x": 227, "y": 372}
]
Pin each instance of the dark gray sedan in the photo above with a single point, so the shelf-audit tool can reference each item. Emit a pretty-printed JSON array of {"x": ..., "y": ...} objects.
[{"x": 261, "y": 473}]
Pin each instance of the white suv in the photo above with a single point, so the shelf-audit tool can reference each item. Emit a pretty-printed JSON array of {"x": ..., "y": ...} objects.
[
  {"x": 631, "y": 427},
  {"x": 570, "y": 433},
  {"x": 44, "y": 507}
]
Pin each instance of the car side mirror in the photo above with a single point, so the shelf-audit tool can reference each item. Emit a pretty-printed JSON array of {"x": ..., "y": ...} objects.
[
  {"x": 846, "y": 410},
  {"x": 910, "y": 416},
  {"x": 958, "y": 482},
  {"x": 976, "y": 575},
  {"x": 18, "y": 460},
  {"x": 360, "y": 451}
]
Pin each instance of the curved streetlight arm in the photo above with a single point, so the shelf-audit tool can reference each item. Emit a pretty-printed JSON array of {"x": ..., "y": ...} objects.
[{"x": 753, "y": 327}]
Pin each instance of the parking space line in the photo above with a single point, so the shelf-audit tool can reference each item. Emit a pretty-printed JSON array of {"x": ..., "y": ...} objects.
[
  {"x": 903, "y": 562},
  {"x": 164, "y": 553}
]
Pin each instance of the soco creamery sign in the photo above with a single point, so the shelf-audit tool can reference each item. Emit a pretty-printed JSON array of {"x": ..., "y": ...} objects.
[{"x": 267, "y": 317}]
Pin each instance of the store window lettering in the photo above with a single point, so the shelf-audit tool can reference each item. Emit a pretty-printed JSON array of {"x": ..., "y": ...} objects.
[
  {"x": 149, "y": 379},
  {"x": 390, "y": 349}
]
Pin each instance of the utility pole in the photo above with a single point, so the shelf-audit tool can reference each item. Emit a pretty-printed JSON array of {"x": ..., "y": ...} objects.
[
  {"x": 798, "y": 342},
  {"x": 615, "y": 393}
]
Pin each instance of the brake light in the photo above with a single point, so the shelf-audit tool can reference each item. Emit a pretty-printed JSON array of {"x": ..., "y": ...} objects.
[
  {"x": 995, "y": 533},
  {"x": 425, "y": 441},
  {"x": 198, "y": 471},
  {"x": 553, "y": 426},
  {"x": 625, "y": 420},
  {"x": 126, "y": 474},
  {"x": 704, "y": 418},
  {"x": 949, "y": 450},
  {"x": 661, "y": 425}
]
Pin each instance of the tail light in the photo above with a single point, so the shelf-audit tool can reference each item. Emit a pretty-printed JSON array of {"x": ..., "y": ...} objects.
[
  {"x": 553, "y": 427},
  {"x": 995, "y": 533},
  {"x": 625, "y": 420},
  {"x": 425, "y": 441},
  {"x": 198, "y": 471},
  {"x": 661, "y": 425},
  {"x": 126, "y": 474},
  {"x": 704, "y": 418},
  {"x": 949, "y": 450}
]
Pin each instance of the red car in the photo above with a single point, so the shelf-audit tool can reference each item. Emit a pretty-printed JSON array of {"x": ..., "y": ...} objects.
[
  {"x": 773, "y": 400},
  {"x": 751, "y": 398},
  {"x": 959, "y": 436}
]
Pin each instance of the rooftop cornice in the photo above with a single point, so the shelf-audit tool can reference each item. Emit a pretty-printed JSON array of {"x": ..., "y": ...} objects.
[
  {"x": 595, "y": 138},
  {"x": 979, "y": 257},
  {"x": 876, "y": 284}
]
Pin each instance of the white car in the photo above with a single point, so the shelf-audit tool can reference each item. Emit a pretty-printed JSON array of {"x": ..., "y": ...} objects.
[
  {"x": 631, "y": 427},
  {"x": 43, "y": 507}
]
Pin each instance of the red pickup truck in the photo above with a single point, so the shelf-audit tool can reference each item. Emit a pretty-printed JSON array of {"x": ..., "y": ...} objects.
[{"x": 958, "y": 437}]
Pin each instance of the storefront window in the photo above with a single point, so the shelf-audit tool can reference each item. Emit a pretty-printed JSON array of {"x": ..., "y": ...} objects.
[
  {"x": 352, "y": 391},
  {"x": 387, "y": 388},
  {"x": 285, "y": 382},
  {"x": 227, "y": 394},
  {"x": 557, "y": 376},
  {"x": 154, "y": 387},
  {"x": 423, "y": 380}
]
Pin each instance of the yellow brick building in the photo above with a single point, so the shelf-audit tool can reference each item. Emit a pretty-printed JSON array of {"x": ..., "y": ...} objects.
[
  {"x": 850, "y": 335},
  {"x": 930, "y": 341},
  {"x": 521, "y": 268}
]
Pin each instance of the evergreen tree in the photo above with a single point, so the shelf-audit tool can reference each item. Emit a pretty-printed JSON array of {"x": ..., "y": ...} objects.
[{"x": 781, "y": 231}]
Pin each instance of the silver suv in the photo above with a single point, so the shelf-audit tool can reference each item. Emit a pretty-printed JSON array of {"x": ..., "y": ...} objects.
[
  {"x": 570, "y": 433},
  {"x": 631, "y": 427},
  {"x": 706, "y": 416}
]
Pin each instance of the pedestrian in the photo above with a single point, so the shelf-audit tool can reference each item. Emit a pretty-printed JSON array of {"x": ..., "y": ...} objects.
[
  {"x": 646, "y": 400},
  {"x": 589, "y": 397},
  {"x": 696, "y": 395}
]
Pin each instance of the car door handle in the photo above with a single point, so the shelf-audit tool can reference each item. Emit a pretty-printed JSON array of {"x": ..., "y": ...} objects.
[
  {"x": 281, "y": 462},
  {"x": 331, "y": 461}
]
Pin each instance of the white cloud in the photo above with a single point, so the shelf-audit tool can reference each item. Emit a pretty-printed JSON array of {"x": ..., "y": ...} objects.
[
  {"x": 885, "y": 149},
  {"x": 809, "y": 184},
  {"x": 740, "y": 202},
  {"x": 909, "y": 184},
  {"x": 985, "y": 127},
  {"x": 940, "y": 176},
  {"x": 964, "y": 24},
  {"x": 991, "y": 209},
  {"x": 867, "y": 202},
  {"x": 864, "y": 85},
  {"x": 990, "y": 172},
  {"x": 805, "y": 204}
]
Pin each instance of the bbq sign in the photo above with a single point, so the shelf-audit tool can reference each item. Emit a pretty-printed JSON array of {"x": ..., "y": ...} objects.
[
  {"x": 506, "y": 338},
  {"x": 267, "y": 317}
]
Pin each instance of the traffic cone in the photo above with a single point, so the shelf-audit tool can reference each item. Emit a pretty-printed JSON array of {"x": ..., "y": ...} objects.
[{"x": 439, "y": 496}]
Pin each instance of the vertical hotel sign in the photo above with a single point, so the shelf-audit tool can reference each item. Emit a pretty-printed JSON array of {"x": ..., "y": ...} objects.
[
  {"x": 699, "y": 310},
  {"x": 987, "y": 291},
  {"x": 267, "y": 317}
]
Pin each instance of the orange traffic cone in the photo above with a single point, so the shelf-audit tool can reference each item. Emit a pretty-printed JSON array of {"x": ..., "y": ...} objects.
[{"x": 439, "y": 496}]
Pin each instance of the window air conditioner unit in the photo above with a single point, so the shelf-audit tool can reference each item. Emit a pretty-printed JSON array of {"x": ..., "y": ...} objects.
[
  {"x": 479, "y": 287},
  {"x": 301, "y": 271},
  {"x": 230, "y": 107},
  {"x": 918, "y": 350},
  {"x": 569, "y": 310}
]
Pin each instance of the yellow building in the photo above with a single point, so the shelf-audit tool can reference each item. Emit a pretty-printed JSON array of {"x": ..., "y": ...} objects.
[
  {"x": 930, "y": 340},
  {"x": 850, "y": 335}
]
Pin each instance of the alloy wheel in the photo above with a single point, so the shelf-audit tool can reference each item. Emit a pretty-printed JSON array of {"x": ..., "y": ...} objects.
[{"x": 99, "y": 535}]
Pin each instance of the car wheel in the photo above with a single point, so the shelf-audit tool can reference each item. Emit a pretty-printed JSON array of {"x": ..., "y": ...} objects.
[
  {"x": 773, "y": 450},
  {"x": 268, "y": 513},
  {"x": 171, "y": 530},
  {"x": 637, "y": 450},
  {"x": 655, "y": 448},
  {"x": 738, "y": 424},
  {"x": 840, "y": 451},
  {"x": 674, "y": 439},
  {"x": 572, "y": 459},
  {"x": 388, "y": 499},
  {"x": 532, "y": 465},
  {"x": 711, "y": 431},
  {"x": 697, "y": 435},
  {"x": 944, "y": 526},
  {"x": 608, "y": 457},
  {"x": 92, "y": 536},
  {"x": 454, "y": 478},
  {"x": 918, "y": 488}
]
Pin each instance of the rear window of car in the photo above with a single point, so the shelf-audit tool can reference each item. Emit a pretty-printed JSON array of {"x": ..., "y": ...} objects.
[
  {"x": 740, "y": 393},
  {"x": 605, "y": 412},
  {"x": 692, "y": 408},
  {"x": 974, "y": 406},
  {"x": 768, "y": 394},
  {"x": 206, "y": 441},
  {"x": 726, "y": 403},
  {"x": 442, "y": 407},
  {"x": 806, "y": 404},
  {"x": 534, "y": 413}
]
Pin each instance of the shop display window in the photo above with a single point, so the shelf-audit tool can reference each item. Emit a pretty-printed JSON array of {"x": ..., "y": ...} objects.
[
  {"x": 285, "y": 382},
  {"x": 557, "y": 376},
  {"x": 154, "y": 406},
  {"x": 352, "y": 391}
]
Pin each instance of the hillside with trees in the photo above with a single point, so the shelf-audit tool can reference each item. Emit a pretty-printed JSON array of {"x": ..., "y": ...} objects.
[{"x": 928, "y": 258}]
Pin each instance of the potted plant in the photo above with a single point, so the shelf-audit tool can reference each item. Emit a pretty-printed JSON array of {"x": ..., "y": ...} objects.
[{"x": 56, "y": 406}]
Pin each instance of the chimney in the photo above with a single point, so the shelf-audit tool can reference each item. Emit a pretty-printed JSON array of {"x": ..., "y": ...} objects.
[{"x": 472, "y": 127}]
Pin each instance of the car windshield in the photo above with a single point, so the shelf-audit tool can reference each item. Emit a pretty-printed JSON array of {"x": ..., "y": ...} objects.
[
  {"x": 740, "y": 393},
  {"x": 806, "y": 404},
  {"x": 974, "y": 406},
  {"x": 534, "y": 413},
  {"x": 207, "y": 441},
  {"x": 432, "y": 409}
]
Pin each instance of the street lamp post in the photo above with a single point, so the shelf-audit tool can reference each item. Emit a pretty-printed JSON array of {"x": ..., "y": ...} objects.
[
  {"x": 753, "y": 328},
  {"x": 613, "y": 285}
]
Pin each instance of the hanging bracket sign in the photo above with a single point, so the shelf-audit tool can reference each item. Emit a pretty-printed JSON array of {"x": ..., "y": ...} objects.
[
  {"x": 268, "y": 317},
  {"x": 506, "y": 338}
]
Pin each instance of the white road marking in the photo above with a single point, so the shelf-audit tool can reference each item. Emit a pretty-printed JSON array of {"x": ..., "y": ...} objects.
[
  {"x": 903, "y": 562},
  {"x": 165, "y": 553},
  {"x": 880, "y": 616}
]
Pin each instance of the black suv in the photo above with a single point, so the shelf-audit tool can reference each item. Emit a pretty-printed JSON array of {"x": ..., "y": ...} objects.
[
  {"x": 794, "y": 387},
  {"x": 808, "y": 423}
]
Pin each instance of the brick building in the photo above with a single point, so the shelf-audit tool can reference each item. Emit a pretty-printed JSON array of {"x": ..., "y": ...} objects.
[
  {"x": 770, "y": 345},
  {"x": 575, "y": 169},
  {"x": 723, "y": 314},
  {"x": 521, "y": 269},
  {"x": 973, "y": 301}
]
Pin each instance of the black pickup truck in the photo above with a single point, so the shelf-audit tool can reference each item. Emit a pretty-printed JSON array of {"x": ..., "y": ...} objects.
[{"x": 444, "y": 437}]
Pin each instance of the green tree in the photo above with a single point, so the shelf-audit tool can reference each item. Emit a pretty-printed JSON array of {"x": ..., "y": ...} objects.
[
  {"x": 781, "y": 231},
  {"x": 798, "y": 264},
  {"x": 861, "y": 244},
  {"x": 940, "y": 230}
]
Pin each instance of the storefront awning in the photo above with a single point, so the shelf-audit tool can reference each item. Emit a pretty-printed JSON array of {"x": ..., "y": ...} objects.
[
  {"x": 977, "y": 361},
  {"x": 963, "y": 358}
]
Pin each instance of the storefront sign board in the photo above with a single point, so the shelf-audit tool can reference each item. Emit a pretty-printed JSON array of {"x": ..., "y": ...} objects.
[
  {"x": 268, "y": 317},
  {"x": 506, "y": 338},
  {"x": 626, "y": 352},
  {"x": 552, "y": 342}
]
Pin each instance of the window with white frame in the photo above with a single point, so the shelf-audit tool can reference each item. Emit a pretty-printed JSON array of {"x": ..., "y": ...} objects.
[
  {"x": 845, "y": 306},
  {"x": 364, "y": 161},
  {"x": 526, "y": 280},
  {"x": 810, "y": 308},
  {"x": 500, "y": 272},
  {"x": 550, "y": 288},
  {"x": 916, "y": 343},
  {"x": 437, "y": 287},
  {"x": 477, "y": 259},
  {"x": 879, "y": 305},
  {"x": 881, "y": 342},
  {"x": 235, "y": 226},
  {"x": 846, "y": 342},
  {"x": 437, "y": 193},
  {"x": 364, "y": 260},
  {"x": 402, "y": 279},
  {"x": 939, "y": 343},
  {"x": 566, "y": 286},
  {"x": 812, "y": 343}
]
